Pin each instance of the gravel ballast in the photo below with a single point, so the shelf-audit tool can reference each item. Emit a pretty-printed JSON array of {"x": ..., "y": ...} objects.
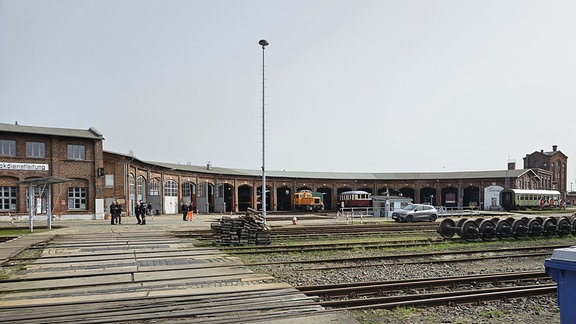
[{"x": 534, "y": 310}]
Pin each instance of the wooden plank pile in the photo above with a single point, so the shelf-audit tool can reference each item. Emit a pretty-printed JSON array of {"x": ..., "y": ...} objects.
[{"x": 241, "y": 230}]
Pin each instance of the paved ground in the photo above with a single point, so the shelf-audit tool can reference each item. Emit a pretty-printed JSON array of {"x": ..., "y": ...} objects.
[{"x": 86, "y": 262}]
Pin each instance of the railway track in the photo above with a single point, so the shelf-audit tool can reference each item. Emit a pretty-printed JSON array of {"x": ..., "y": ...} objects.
[
  {"x": 56, "y": 261},
  {"x": 336, "y": 246},
  {"x": 426, "y": 292},
  {"x": 319, "y": 231},
  {"x": 420, "y": 258},
  {"x": 346, "y": 245},
  {"x": 444, "y": 298}
]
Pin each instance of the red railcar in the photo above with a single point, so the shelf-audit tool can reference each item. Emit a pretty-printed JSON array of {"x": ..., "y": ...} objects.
[{"x": 355, "y": 198}]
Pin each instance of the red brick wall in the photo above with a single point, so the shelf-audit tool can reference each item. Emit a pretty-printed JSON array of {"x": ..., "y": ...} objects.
[{"x": 83, "y": 172}]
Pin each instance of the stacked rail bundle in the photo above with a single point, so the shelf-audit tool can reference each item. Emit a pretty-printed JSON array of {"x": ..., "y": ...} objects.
[{"x": 242, "y": 230}]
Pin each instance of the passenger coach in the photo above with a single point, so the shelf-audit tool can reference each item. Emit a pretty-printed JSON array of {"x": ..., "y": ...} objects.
[{"x": 511, "y": 199}]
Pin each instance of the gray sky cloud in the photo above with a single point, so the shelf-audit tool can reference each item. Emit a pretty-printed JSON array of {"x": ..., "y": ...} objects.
[{"x": 372, "y": 86}]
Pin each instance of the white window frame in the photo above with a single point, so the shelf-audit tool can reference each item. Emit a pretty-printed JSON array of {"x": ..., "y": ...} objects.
[
  {"x": 7, "y": 148},
  {"x": 35, "y": 149},
  {"x": 8, "y": 198},
  {"x": 170, "y": 188},
  {"x": 76, "y": 152},
  {"x": 77, "y": 198}
]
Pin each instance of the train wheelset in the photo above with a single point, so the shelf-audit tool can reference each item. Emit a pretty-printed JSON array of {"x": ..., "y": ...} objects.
[{"x": 487, "y": 229}]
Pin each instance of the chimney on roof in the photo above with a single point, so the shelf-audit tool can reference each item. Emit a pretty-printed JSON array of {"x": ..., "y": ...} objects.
[
  {"x": 208, "y": 166},
  {"x": 554, "y": 148},
  {"x": 511, "y": 165},
  {"x": 541, "y": 151}
]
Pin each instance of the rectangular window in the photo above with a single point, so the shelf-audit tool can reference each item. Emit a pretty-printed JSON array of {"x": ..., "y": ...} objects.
[
  {"x": 76, "y": 152},
  {"x": 35, "y": 150},
  {"x": 201, "y": 189},
  {"x": 8, "y": 198},
  {"x": 154, "y": 187},
  {"x": 109, "y": 181},
  {"x": 77, "y": 199},
  {"x": 7, "y": 148},
  {"x": 186, "y": 190}
]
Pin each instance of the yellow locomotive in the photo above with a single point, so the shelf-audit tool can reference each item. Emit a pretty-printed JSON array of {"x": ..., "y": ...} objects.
[{"x": 306, "y": 200}]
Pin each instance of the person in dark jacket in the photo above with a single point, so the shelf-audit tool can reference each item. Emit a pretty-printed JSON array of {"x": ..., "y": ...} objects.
[
  {"x": 143, "y": 212},
  {"x": 137, "y": 212},
  {"x": 184, "y": 210},
  {"x": 118, "y": 213},
  {"x": 115, "y": 213}
]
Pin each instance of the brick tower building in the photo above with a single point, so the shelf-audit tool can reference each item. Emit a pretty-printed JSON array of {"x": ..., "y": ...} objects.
[{"x": 551, "y": 166}]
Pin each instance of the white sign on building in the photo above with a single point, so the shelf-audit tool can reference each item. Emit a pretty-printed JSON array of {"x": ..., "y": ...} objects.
[{"x": 24, "y": 166}]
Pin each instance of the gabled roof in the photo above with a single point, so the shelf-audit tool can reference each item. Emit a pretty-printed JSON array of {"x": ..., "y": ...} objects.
[{"x": 64, "y": 132}]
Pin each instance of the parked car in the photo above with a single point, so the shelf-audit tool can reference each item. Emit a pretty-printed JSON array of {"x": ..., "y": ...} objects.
[{"x": 415, "y": 212}]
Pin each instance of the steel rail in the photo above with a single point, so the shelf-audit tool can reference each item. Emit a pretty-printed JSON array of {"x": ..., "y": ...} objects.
[
  {"x": 444, "y": 298},
  {"x": 407, "y": 255},
  {"x": 344, "y": 229},
  {"x": 378, "y": 287},
  {"x": 332, "y": 247},
  {"x": 504, "y": 256},
  {"x": 328, "y": 244}
]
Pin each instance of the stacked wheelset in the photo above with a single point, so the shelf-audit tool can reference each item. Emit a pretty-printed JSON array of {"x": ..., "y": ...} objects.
[{"x": 502, "y": 228}]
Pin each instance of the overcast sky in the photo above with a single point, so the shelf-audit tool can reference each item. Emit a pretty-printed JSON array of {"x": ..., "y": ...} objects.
[{"x": 354, "y": 86}]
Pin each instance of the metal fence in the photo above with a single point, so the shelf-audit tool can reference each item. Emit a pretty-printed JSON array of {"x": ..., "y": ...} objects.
[
  {"x": 348, "y": 214},
  {"x": 457, "y": 211}
]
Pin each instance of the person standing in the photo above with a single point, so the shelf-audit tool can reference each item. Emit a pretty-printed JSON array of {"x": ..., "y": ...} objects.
[
  {"x": 143, "y": 212},
  {"x": 191, "y": 211},
  {"x": 184, "y": 210},
  {"x": 113, "y": 213},
  {"x": 137, "y": 212},
  {"x": 149, "y": 207},
  {"x": 118, "y": 213}
]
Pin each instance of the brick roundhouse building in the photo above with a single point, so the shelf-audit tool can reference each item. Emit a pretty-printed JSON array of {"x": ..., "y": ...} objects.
[{"x": 95, "y": 178}]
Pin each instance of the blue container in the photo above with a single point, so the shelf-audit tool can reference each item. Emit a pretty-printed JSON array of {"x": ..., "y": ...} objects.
[{"x": 562, "y": 268}]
